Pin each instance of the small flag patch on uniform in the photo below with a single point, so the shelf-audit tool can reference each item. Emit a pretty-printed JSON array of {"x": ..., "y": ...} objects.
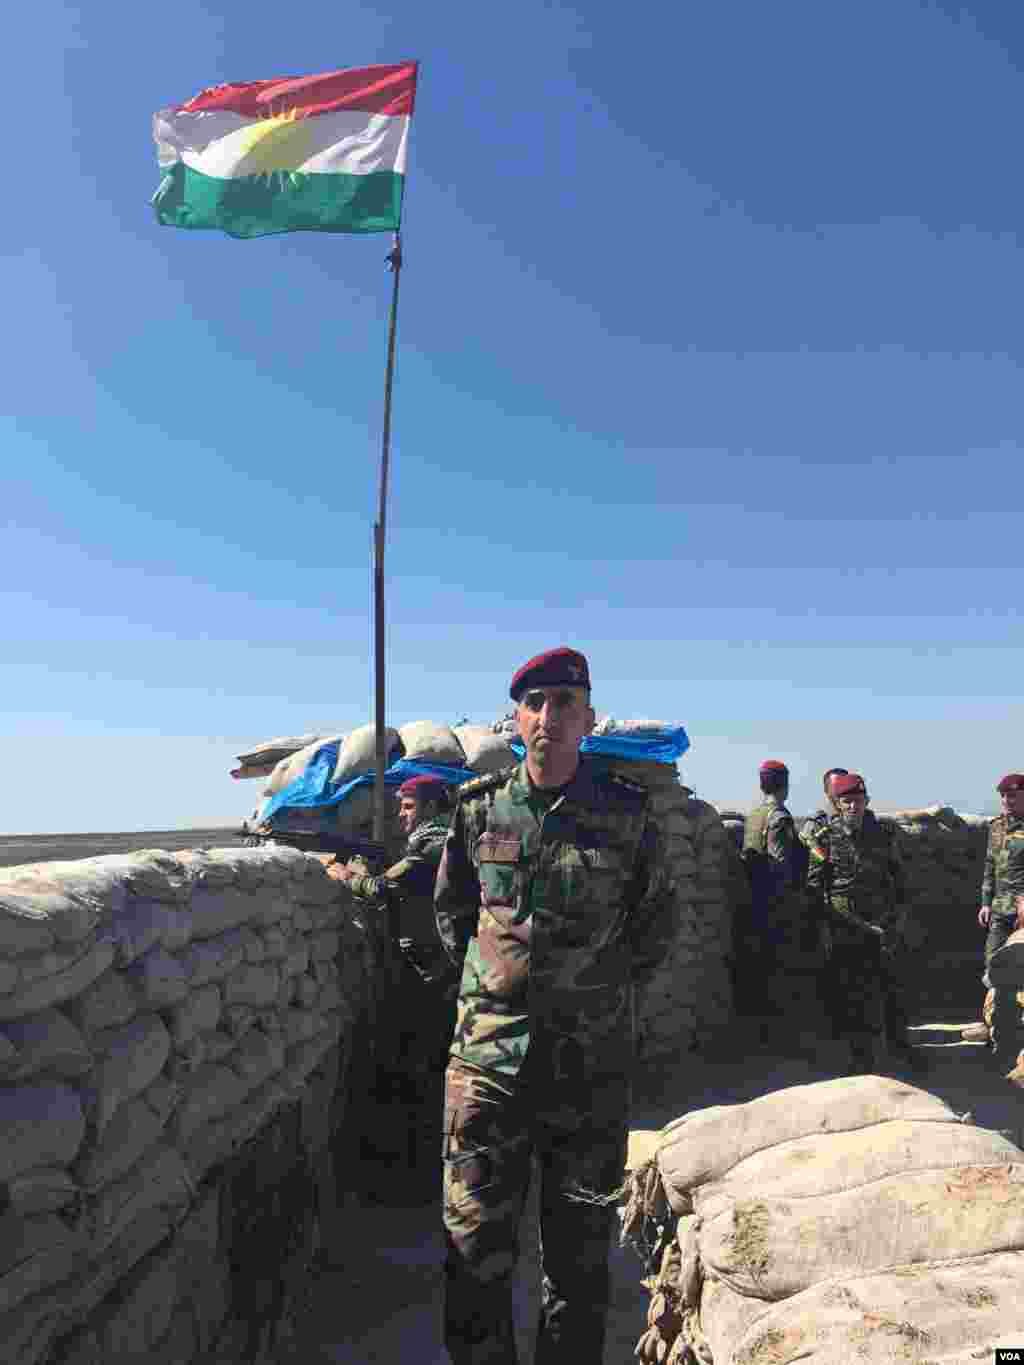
[{"x": 818, "y": 853}]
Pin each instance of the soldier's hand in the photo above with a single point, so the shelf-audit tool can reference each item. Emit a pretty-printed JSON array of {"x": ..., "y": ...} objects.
[{"x": 984, "y": 915}]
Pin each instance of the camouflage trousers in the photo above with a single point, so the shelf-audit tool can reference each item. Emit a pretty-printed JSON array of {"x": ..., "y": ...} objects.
[
  {"x": 866, "y": 994},
  {"x": 493, "y": 1130},
  {"x": 1006, "y": 1030}
]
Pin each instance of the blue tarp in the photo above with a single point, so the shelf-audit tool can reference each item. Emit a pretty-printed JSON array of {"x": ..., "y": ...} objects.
[
  {"x": 659, "y": 746},
  {"x": 316, "y": 789}
]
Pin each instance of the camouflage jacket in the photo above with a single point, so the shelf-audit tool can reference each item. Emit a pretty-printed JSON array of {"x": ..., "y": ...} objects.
[
  {"x": 808, "y": 832},
  {"x": 769, "y": 849},
  {"x": 857, "y": 879},
  {"x": 407, "y": 887},
  {"x": 553, "y": 915},
  {"x": 1004, "y": 865}
]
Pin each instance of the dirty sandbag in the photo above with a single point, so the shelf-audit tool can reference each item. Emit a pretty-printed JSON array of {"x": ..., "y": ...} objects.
[
  {"x": 486, "y": 752},
  {"x": 40, "y": 1125},
  {"x": 427, "y": 742},
  {"x": 358, "y": 754}
]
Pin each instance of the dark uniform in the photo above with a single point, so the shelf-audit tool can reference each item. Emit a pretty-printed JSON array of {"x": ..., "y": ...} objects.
[
  {"x": 1003, "y": 883},
  {"x": 417, "y": 1011},
  {"x": 770, "y": 855},
  {"x": 554, "y": 904},
  {"x": 856, "y": 883}
]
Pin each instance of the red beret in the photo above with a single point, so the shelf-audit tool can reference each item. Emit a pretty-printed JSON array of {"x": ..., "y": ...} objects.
[
  {"x": 773, "y": 765},
  {"x": 1011, "y": 782},
  {"x": 844, "y": 783},
  {"x": 556, "y": 668},
  {"x": 423, "y": 787}
]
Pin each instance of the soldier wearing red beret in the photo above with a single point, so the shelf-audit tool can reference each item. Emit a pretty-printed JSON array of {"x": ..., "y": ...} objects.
[
  {"x": 771, "y": 857},
  {"x": 554, "y": 902},
  {"x": 856, "y": 884},
  {"x": 1002, "y": 907},
  {"x": 416, "y": 1015}
]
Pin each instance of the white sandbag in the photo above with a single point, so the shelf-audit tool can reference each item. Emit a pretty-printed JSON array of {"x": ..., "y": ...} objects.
[
  {"x": 955, "y": 1312},
  {"x": 291, "y": 768},
  {"x": 358, "y": 754},
  {"x": 108, "y": 1001},
  {"x": 34, "y": 1254},
  {"x": 708, "y": 1143},
  {"x": 632, "y": 729},
  {"x": 273, "y": 750},
  {"x": 131, "y": 1058},
  {"x": 252, "y": 985},
  {"x": 198, "y": 1013},
  {"x": 828, "y": 1164},
  {"x": 159, "y": 1181},
  {"x": 769, "y": 1247},
  {"x": 135, "y": 1127},
  {"x": 159, "y": 979},
  {"x": 258, "y": 1057},
  {"x": 47, "y": 1043},
  {"x": 209, "y": 1094},
  {"x": 213, "y": 959},
  {"x": 485, "y": 751},
  {"x": 63, "y": 985},
  {"x": 143, "y": 924},
  {"x": 427, "y": 742},
  {"x": 40, "y": 1125},
  {"x": 44, "y": 1189}
]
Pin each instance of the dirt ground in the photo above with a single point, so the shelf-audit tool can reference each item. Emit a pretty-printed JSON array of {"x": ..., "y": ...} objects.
[
  {"x": 16, "y": 849},
  {"x": 383, "y": 1303}
]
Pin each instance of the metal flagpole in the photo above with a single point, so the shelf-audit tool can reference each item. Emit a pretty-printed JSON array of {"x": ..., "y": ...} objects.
[{"x": 395, "y": 266}]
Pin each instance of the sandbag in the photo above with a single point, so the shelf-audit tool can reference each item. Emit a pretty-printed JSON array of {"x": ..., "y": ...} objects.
[
  {"x": 44, "y": 1043},
  {"x": 44, "y": 1189},
  {"x": 143, "y": 924},
  {"x": 158, "y": 1181},
  {"x": 40, "y": 1125},
  {"x": 132, "y": 1057},
  {"x": 358, "y": 754},
  {"x": 290, "y": 769},
  {"x": 428, "y": 742},
  {"x": 34, "y": 1253},
  {"x": 135, "y": 1127},
  {"x": 485, "y": 751},
  {"x": 958, "y": 1311},
  {"x": 707, "y": 1144},
  {"x": 198, "y": 1013},
  {"x": 770, "y": 1247},
  {"x": 159, "y": 979},
  {"x": 1006, "y": 965},
  {"x": 827, "y": 1164},
  {"x": 47, "y": 991},
  {"x": 273, "y": 750}
]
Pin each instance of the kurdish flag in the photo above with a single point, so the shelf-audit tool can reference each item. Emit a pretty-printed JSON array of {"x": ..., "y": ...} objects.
[{"x": 322, "y": 152}]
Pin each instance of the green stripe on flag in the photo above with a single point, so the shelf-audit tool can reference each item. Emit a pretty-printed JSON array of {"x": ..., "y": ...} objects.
[{"x": 281, "y": 201}]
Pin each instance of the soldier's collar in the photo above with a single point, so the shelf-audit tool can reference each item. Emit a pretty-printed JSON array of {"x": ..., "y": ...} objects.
[{"x": 579, "y": 788}]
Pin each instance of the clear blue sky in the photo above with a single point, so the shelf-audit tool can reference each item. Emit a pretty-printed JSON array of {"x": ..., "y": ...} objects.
[{"x": 709, "y": 364}]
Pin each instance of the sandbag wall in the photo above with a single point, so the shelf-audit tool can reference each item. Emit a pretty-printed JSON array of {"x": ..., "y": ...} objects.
[
  {"x": 690, "y": 997},
  {"x": 174, "y": 1036},
  {"x": 858, "y": 1218},
  {"x": 944, "y": 856}
]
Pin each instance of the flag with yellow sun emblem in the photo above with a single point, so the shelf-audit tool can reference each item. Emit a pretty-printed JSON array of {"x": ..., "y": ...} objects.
[{"x": 324, "y": 153}]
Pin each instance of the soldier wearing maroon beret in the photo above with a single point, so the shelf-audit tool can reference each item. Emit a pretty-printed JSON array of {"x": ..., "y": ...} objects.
[
  {"x": 1002, "y": 909},
  {"x": 417, "y": 1009},
  {"x": 857, "y": 888},
  {"x": 771, "y": 857},
  {"x": 554, "y": 902}
]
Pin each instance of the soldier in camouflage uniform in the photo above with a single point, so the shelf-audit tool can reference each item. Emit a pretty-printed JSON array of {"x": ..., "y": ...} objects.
[
  {"x": 1002, "y": 896},
  {"x": 810, "y": 827},
  {"x": 417, "y": 1013},
  {"x": 554, "y": 901},
  {"x": 773, "y": 864},
  {"x": 856, "y": 883}
]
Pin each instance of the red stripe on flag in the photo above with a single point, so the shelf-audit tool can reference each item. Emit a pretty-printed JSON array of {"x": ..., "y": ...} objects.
[{"x": 367, "y": 89}]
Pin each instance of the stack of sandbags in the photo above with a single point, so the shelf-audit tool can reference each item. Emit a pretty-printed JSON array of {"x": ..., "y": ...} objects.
[
  {"x": 293, "y": 765},
  {"x": 690, "y": 996},
  {"x": 853, "y": 1219},
  {"x": 486, "y": 750},
  {"x": 261, "y": 760},
  {"x": 944, "y": 857}
]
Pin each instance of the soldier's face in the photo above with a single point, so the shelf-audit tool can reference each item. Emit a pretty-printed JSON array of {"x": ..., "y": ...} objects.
[
  {"x": 553, "y": 720},
  {"x": 1013, "y": 802},
  {"x": 851, "y": 807},
  {"x": 408, "y": 813}
]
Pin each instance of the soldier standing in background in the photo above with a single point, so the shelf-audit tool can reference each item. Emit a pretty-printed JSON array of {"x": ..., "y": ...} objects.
[
  {"x": 855, "y": 882},
  {"x": 1002, "y": 897},
  {"x": 553, "y": 900},
  {"x": 820, "y": 818},
  {"x": 772, "y": 861},
  {"x": 417, "y": 1011}
]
